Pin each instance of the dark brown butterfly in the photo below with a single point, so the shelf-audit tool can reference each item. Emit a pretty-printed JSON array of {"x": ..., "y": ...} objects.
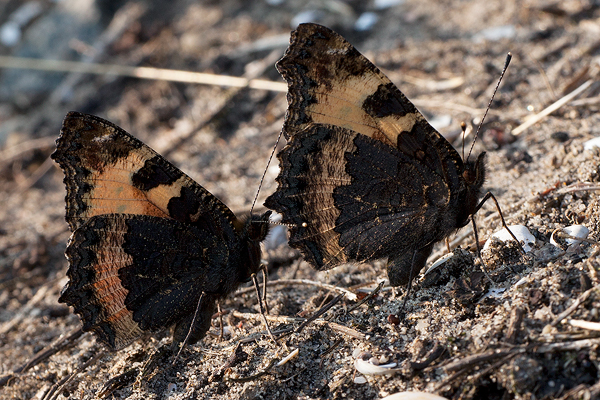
[
  {"x": 364, "y": 176},
  {"x": 150, "y": 247}
]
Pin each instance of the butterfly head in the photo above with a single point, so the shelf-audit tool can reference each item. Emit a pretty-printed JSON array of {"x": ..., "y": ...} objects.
[
  {"x": 474, "y": 173},
  {"x": 255, "y": 230},
  {"x": 257, "y": 227}
]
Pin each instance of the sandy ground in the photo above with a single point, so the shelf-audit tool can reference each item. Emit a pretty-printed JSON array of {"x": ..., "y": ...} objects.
[{"x": 459, "y": 336}]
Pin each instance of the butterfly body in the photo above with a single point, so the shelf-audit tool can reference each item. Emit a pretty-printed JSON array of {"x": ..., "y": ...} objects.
[
  {"x": 148, "y": 242},
  {"x": 363, "y": 176}
]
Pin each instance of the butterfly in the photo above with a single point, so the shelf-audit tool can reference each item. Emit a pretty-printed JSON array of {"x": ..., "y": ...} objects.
[
  {"x": 150, "y": 248},
  {"x": 363, "y": 176}
]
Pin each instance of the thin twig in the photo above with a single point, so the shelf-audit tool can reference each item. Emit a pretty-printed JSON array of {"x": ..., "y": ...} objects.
[
  {"x": 163, "y": 74},
  {"x": 26, "y": 309},
  {"x": 320, "y": 312},
  {"x": 342, "y": 329},
  {"x": 578, "y": 187},
  {"x": 551, "y": 108},
  {"x": 285, "y": 319},
  {"x": 582, "y": 297},
  {"x": 475, "y": 359},
  {"x": 257, "y": 375},
  {"x": 17, "y": 151},
  {"x": 286, "y": 282},
  {"x": 262, "y": 309},
  {"x": 60, "y": 344},
  {"x": 123, "y": 19},
  {"x": 229, "y": 97},
  {"x": 273, "y": 318},
  {"x": 35, "y": 176},
  {"x": 589, "y": 325},
  {"x": 367, "y": 297},
  {"x": 574, "y": 345},
  {"x": 60, "y": 385}
]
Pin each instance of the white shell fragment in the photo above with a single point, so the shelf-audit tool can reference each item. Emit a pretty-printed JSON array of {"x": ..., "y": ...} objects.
[
  {"x": 413, "y": 396},
  {"x": 439, "y": 262},
  {"x": 592, "y": 143},
  {"x": 495, "y": 293},
  {"x": 367, "y": 368},
  {"x": 520, "y": 232},
  {"x": 578, "y": 231}
]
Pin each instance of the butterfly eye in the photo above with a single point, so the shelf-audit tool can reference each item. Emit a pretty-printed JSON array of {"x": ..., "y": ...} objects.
[{"x": 469, "y": 175}]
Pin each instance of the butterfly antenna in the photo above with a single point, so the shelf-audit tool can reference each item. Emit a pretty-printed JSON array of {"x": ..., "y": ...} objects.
[
  {"x": 508, "y": 58},
  {"x": 262, "y": 179}
]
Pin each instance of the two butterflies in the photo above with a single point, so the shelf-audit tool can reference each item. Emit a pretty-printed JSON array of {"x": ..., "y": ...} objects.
[{"x": 363, "y": 176}]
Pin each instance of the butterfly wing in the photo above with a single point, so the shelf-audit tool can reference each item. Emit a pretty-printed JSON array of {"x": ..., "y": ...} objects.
[
  {"x": 349, "y": 197},
  {"x": 134, "y": 273},
  {"x": 147, "y": 240},
  {"x": 363, "y": 176},
  {"x": 109, "y": 171},
  {"x": 330, "y": 82}
]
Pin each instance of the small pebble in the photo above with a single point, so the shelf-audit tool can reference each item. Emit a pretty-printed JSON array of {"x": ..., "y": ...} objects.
[
  {"x": 383, "y": 4},
  {"x": 393, "y": 319},
  {"x": 306, "y": 16},
  {"x": 560, "y": 136},
  {"x": 496, "y": 33},
  {"x": 366, "y": 21}
]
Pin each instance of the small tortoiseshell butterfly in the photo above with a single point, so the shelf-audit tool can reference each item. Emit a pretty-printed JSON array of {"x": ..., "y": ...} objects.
[
  {"x": 363, "y": 176},
  {"x": 148, "y": 242}
]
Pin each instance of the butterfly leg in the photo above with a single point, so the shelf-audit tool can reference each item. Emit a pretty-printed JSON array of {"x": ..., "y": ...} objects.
[
  {"x": 479, "y": 250},
  {"x": 262, "y": 309},
  {"x": 265, "y": 271},
  {"x": 485, "y": 198}
]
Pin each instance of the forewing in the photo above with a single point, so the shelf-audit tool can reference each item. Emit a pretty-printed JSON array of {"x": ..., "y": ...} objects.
[
  {"x": 109, "y": 171},
  {"x": 132, "y": 273},
  {"x": 330, "y": 82}
]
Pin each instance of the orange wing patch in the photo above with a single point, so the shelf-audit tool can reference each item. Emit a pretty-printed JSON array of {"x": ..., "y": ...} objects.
[
  {"x": 112, "y": 190},
  {"x": 341, "y": 87},
  {"x": 110, "y": 318},
  {"x": 109, "y": 171}
]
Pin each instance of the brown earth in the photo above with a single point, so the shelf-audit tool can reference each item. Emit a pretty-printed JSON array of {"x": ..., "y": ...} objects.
[{"x": 455, "y": 337}]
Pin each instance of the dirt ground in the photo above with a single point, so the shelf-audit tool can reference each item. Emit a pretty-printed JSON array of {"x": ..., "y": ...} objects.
[{"x": 459, "y": 336}]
